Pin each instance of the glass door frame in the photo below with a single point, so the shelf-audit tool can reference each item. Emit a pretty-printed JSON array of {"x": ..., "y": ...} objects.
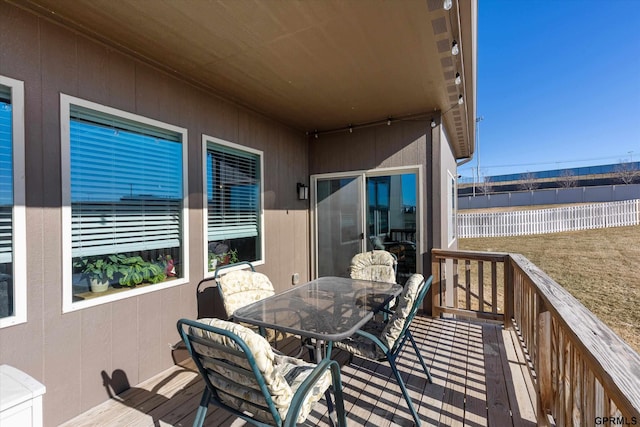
[{"x": 362, "y": 176}]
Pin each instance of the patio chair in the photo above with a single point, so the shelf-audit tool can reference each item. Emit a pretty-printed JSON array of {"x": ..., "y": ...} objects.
[
  {"x": 238, "y": 288},
  {"x": 383, "y": 341},
  {"x": 245, "y": 376},
  {"x": 377, "y": 265}
]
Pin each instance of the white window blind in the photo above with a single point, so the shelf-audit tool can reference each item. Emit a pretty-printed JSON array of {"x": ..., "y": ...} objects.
[
  {"x": 6, "y": 177},
  {"x": 126, "y": 185},
  {"x": 233, "y": 193}
]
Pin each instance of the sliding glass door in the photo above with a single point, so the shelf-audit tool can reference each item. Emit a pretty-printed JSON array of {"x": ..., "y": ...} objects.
[
  {"x": 361, "y": 212},
  {"x": 339, "y": 217}
]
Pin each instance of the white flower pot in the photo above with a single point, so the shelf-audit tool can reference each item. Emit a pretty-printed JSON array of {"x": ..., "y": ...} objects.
[{"x": 97, "y": 285}]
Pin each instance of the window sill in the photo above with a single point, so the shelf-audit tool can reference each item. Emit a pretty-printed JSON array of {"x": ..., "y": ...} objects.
[{"x": 89, "y": 299}]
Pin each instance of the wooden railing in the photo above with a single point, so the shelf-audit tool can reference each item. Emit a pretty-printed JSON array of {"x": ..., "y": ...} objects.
[
  {"x": 478, "y": 284},
  {"x": 584, "y": 373}
]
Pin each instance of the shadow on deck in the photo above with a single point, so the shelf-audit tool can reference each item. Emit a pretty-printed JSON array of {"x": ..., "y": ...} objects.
[{"x": 480, "y": 379}]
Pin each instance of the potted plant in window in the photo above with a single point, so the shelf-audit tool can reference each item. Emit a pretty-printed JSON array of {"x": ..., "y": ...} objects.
[
  {"x": 227, "y": 257},
  {"x": 134, "y": 270},
  {"x": 99, "y": 270}
]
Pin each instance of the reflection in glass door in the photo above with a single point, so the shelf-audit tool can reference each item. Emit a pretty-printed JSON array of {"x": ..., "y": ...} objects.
[
  {"x": 380, "y": 207},
  {"x": 338, "y": 224},
  {"x": 391, "y": 219}
]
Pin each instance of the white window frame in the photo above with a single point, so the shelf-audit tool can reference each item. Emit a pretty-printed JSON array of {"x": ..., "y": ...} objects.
[
  {"x": 66, "y": 101},
  {"x": 452, "y": 198},
  {"x": 205, "y": 208},
  {"x": 18, "y": 220}
]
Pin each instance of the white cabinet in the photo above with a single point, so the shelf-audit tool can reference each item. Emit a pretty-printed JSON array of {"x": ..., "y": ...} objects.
[{"x": 20, "y": 399}]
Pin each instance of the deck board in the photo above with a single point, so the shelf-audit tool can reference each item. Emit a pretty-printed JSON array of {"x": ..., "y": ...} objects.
[{"x": 480, "y": 379}]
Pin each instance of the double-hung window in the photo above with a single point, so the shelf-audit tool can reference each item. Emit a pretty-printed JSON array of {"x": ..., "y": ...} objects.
[
  {"x": 13, "y": 293},
  {"x": 233, "y": 203},
  {"x": 124, "y": 203}
]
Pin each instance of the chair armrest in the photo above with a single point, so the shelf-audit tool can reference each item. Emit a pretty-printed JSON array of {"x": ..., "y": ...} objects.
[
  {"x": 307, "y": 385},
  {"x": 386, "y": 310},
  {"x": 375, "y": 340}
]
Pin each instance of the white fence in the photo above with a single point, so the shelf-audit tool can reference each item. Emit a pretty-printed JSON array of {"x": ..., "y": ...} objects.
[{"x": 540, "y": 221}]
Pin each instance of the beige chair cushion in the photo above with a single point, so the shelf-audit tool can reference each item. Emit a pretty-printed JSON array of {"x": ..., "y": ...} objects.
[
  {"x": 283, "y": 374},
  {"x": 242, "y": 287},
  {"x": 374, "y": 265},
  {"x": 406, "y": 300},
  {"x": 389, "y": 332}
]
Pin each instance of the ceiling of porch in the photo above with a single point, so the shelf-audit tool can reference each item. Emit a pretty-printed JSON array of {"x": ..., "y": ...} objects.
[{"x": 314, "y": 65}]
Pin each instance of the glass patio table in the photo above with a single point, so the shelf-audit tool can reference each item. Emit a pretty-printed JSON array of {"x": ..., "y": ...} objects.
[{"x": 326, "y": 309}]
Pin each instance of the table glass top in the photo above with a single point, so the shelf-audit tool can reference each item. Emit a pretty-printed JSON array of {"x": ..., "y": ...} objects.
[{"x": 328, "y": 308}]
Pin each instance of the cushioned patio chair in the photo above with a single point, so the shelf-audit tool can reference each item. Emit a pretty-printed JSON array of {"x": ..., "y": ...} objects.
[
  {"x": 245, "y": 376},
  {"x": 238, "y": 288},
  {"x": 383, "y": 341},
  {"x": 376, "y": 265}
]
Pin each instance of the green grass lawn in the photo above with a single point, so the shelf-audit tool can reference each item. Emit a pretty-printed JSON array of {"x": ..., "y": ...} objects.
[{"x": 601, "y": 268}]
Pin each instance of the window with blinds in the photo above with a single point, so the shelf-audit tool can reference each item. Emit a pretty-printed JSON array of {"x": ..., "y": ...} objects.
[
  {"x": 13, "y": 282},
  {"x": 6, "y": 176},
  {"x": 6, "y": 203},
  {"x": 234, "y": 192},
  {"x": 126, "y": 187}
]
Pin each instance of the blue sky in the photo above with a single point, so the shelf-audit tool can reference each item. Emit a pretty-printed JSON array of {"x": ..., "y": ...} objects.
[{"x": 558, "y": 84}]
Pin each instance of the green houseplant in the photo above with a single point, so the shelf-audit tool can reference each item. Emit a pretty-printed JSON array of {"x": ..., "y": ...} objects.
[
  {"x": 229, "y": 257},
  {"x": 99, "y": 270},
  {"x": 134, "y": 270},
  {"x": 129, "y": 271}
]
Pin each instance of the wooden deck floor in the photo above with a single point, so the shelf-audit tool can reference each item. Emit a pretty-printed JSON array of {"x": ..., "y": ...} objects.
[{"x": 480, "y": 379}]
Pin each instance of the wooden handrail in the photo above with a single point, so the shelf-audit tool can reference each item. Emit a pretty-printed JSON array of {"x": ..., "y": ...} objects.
[
  {"x": 581, "y": 368},
  {"x": 574, "y": 340}
]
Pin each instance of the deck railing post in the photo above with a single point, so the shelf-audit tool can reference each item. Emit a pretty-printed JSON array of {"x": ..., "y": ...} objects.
[
  {"x": 543, "y": 369},
  {"x": 509, "y": 294},
  {"x": 436, "y": 306}
]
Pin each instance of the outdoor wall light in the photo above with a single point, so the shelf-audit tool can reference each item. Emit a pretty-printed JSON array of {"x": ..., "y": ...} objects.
[
  {"x": 433, "y": 123},
  {"x": 454, "y": 48},
  {"x": 458, "y": 79},
  {"x": 303, "y": 191},
  {"x": 447, "y": 5}
]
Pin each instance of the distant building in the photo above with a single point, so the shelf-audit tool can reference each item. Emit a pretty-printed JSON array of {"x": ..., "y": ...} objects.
[{"x": 610, "y": 174}]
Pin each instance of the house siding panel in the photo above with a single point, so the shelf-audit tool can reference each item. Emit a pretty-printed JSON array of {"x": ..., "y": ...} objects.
[
  {"x": 124, "y": 353},
  {"x": 96, "y": 342},
  {"x": 128, "y": 340},
  {"x": 23, "y": 41}
]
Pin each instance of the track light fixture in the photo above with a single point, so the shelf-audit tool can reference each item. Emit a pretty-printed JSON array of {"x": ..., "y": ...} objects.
[
  {"x": 389, "y": 121},
  {"x": 433, "y": 123},
  {"x": 447, "y": 4},
  {"x": 460, "y": 100},
  {"x": 454, "y": 48},
  {"x": 458, "y": 79}
]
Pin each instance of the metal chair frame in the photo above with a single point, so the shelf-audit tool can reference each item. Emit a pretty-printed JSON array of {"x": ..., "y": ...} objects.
[
  {"x": 391, "y": 354},
  {"x": 210, "y": 395}
]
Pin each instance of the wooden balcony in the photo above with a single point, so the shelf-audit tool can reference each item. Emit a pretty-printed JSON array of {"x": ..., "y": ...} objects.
[
  {"x": 509, "y": 347},
  {"x": 480, "y": 379},
  {"x": 583, "y": 373}
]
